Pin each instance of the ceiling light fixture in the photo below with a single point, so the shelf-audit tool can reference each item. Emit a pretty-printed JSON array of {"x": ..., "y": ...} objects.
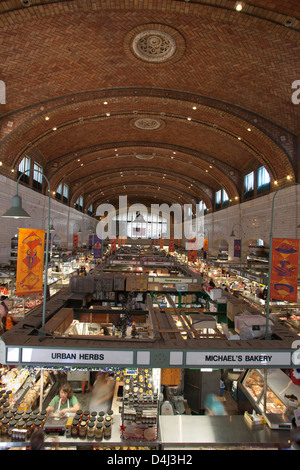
[{"x": 239, "y": 6}]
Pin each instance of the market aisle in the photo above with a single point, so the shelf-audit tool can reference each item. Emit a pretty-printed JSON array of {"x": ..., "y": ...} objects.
[{"x": 230, "y": 404}]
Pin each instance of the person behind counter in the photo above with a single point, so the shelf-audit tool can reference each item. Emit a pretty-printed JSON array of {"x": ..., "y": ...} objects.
[
  {"x": 65, "y": 402},
  {"x": 102, "y": 392}
]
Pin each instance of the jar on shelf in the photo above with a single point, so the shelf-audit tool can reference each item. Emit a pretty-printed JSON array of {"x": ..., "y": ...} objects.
[
  {"x": 6, "y": 407},
  {"x": 110, "y": 414},
  {"x": 4, "y": 428},
  {"x": 20, "y": 413},
  {"x": 21, "y": 424},
  {"x": 99, "y": 431},
  {"x": 12, "y": 425},
  {"x": 38, "y": 423},
  {"x": 107, "y": 430},
  {"x": 75, "y": 427},
  {"x": 91, "y": 430},
  {"x": 30, "y": 428},
  {"x": 82, "y": 429},
  {"x": 100, "y": 419}
]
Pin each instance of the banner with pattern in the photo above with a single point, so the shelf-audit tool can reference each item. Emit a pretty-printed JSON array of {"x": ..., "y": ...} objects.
[
  {"x": 30, "y": 261},
  {"x": 284, "y": 270}
]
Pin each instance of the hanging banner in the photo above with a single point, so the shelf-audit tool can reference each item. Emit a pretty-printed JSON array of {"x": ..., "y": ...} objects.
[
  {"x": 119, "y": 242},
  {"x": 30, "y": 261},
  {"x": 205, "y": 244},
  {"x": 97, "y": 247},
  {"x": 90, "y": 241},
  {"x": 192, "y": 256},
  {"x": 161, "y": 243},
  {"x": 171, "y": 245},
  {"x": 113, "y": 245},
  {"x": 237, "y": 248},
  {"x": 192, "y": 244},
  {"x": 156, "y": 242},
  {"x": 284, "y": 271},
  {"x": 75, "y": 240},
  {"x": 179, "y": 242}
]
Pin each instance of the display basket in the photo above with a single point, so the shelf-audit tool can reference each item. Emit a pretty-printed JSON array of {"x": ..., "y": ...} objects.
[{"x": 130, "y": 431}]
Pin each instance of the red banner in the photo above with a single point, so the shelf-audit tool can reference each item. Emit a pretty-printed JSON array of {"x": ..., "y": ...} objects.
[
  {"x": 171, "y": 245},
  {"x": 192, "y": 255},
  {"x": 75, "y": 240},
  {"x": 30, "y": 262},
  {"x": 113, "y": 245},
  {"x": 284, "y": 272}
]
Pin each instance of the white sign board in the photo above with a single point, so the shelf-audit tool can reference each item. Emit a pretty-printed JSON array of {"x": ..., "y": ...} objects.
[
  {"x": 245, "y": 359},
  {"x": 68, "y": 356}
]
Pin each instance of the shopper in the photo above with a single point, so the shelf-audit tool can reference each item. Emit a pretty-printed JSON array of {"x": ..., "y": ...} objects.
[
  {"x": 211, "y": 283},
  {"x": 37, "y": 440},
  {"x": 102, "y": 392},
  {"x": 213, "y": 405},
  {"x": 65, "y": 402},
  {"x": 5, "y": 321}
]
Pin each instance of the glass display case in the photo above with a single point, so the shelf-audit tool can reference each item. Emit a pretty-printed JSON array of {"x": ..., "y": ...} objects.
[
  {"x": 254, "y": 384},
  {"x": 265, "y": 391}
]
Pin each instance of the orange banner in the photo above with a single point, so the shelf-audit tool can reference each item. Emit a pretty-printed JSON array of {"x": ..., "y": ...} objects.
[
  {"x": 205, "y": 244},
  {"x": 30, "y": 261},
  {"x": 284, "y": 271},
  {"x": 113, "y": 242},
  {"x": 75, "y": 240},
  {"x": 161, "y": 243},
  {"x": 171, "y": 245},
  {"x": 192, "y": 255}
]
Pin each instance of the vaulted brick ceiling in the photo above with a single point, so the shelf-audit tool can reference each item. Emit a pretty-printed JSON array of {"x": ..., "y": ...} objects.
[{"x": 164, "y": 101}]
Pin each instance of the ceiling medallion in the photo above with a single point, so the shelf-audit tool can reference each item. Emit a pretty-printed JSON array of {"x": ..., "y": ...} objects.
[
  {"x": 147, "y": 124},
  {"x": 154, "y": 45}
]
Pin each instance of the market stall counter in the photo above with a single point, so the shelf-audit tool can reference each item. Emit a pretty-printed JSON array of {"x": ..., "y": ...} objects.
[
  {"x": 178, "y": 432},
  {"x": 218, "y": 432}
]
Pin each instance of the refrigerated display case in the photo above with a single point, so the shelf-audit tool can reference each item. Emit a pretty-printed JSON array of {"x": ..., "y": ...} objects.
[{"x": 266, "y": 391}]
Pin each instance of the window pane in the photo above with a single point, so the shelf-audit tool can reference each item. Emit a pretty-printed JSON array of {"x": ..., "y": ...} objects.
[
  {"x": 263, "y": 177},
  {"x": 218, "y": 197},
  {"x": 249, "y": 182},
  {"x": 38, "y": 173},
  {"x": 225, "y": 196},
  {"x": 25, "y": 165},
  {"x": 66, "y": 191}
]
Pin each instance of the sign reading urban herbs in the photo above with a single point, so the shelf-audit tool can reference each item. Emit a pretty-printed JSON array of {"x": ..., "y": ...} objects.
[{"x": 78, "y": 357}]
